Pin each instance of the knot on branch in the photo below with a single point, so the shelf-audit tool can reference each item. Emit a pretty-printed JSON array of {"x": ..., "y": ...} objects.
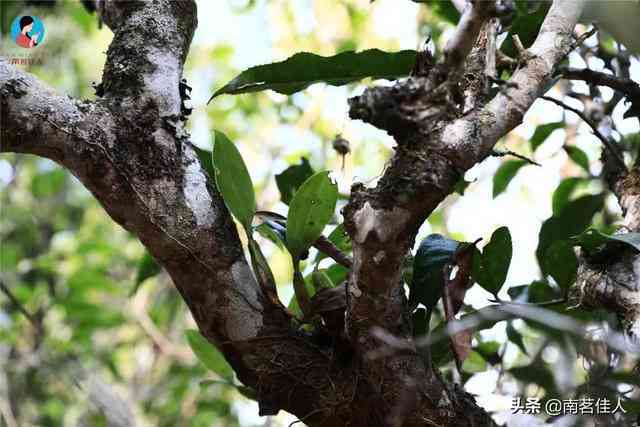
[
  {"x": 411, "y": 108},
  {"x": 611, "y": 281},
  {"x": 14, "y": 88}
]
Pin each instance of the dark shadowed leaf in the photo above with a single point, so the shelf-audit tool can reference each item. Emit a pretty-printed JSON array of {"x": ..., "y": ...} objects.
[
  {"x": 516, "y": 337},
  {"x": 536, "y": 292},
  {"x": 505, "y": 173},
  {"x": 276, "y": 236},
  {"x": 561, "y": 263},
  {"x": 420, "y": 320},
  {"x": 563, "y": 192},
  {"x": 206, "y": 160},
  {"x": 578, "y": 156},
  {"x": 526, "y": 26},
  {"x": 443, "y": 8},
  {"x": 310, "y": 211},
  {"x": 209, "y": 355},
  {"x": 592, "y": 240},
  {"x": 491, "y": 267},
  {"x": 625, "y": 378},
  {"x": 233, "y": 180},
  {"x": 291, "y": 178},
  {"x": 537, "y": 374},
  {"x": 572, "y": 220},
  {"x": 147, "y": 267},
  {"x": 490, "y": 351},
  {"x": 434, "y": 252},
  {"x": 542, "y": 132},
  {"x": 304, "y": 69},
  {"x": 461, "y": 186}
]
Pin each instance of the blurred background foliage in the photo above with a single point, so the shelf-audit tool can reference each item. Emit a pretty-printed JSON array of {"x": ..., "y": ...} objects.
[{"x": 74, "y": 273}]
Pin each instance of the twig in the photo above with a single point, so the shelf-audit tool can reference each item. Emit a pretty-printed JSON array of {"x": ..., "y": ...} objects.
[
  {"x": 609, "y": 145},
  {"x": 466, "y": 32},
  {"x": 517, "y": 43},
  {"x": 327, "y": 247},
  {"x": 497, "y": 153},
  {"x": 323, "y": 244},
  {"x": 622, "y": 84},
  {"x": 19, "y": 306},
  {"x": 549, "y": 303}
]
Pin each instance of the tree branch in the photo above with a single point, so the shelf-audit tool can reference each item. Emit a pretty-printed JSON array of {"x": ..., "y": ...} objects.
[
  {"x": 608, "y": 144},
  {"x": 474, "y": 14},
  {"x": 554, "y": 42},
  {"x": 621, "y": 84},
  {"x": 30, "y": 317},
  {"x": 440, "y": 133}
]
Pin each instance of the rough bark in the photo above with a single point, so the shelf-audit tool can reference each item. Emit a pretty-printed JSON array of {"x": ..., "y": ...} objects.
[
  {"x": 613, "y": 283},
  {"x": 440, "y": 134},
  {"x": 130, "y": 149}
]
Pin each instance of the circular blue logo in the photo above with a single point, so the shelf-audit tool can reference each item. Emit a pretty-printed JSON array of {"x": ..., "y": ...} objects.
[{"x": 27, "y": 31}]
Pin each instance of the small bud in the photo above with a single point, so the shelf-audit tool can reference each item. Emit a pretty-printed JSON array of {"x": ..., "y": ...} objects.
[{"x": 341, "y": 145}]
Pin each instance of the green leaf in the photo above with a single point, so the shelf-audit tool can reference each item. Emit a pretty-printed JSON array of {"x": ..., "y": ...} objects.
[
  {"x": 275, "y": 236},
  {"x": 434, "y": 252},
  {"x": 48, "y": 183},
  {"x": 233, "y": 180},
  {"x": 572, "y": 220},
  {"x": 293, "y": 306},
  {"x": 209, "y": 355},
  {"x": 474, "y": 363},
  {"x": 505, "y": 173},
  {"x": 491, "y": 268},
  {"x": 592, "y": 240},
  {"x": 291, "y": 178},
  {"x": 563, "y": 193},
  {"x": 578, "y": 156},
  {"x": 488, "y": 349},
  {"x": 147, "y": 267},
  {"x": 542, "y": 132},
  {"x": 247, "y": 392},
  {"x": 336, "y": 272},
  {"x": 304, "y": 69},
  {"x": 561, "y": 263},
  {"x": 310, "y": 211}
]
